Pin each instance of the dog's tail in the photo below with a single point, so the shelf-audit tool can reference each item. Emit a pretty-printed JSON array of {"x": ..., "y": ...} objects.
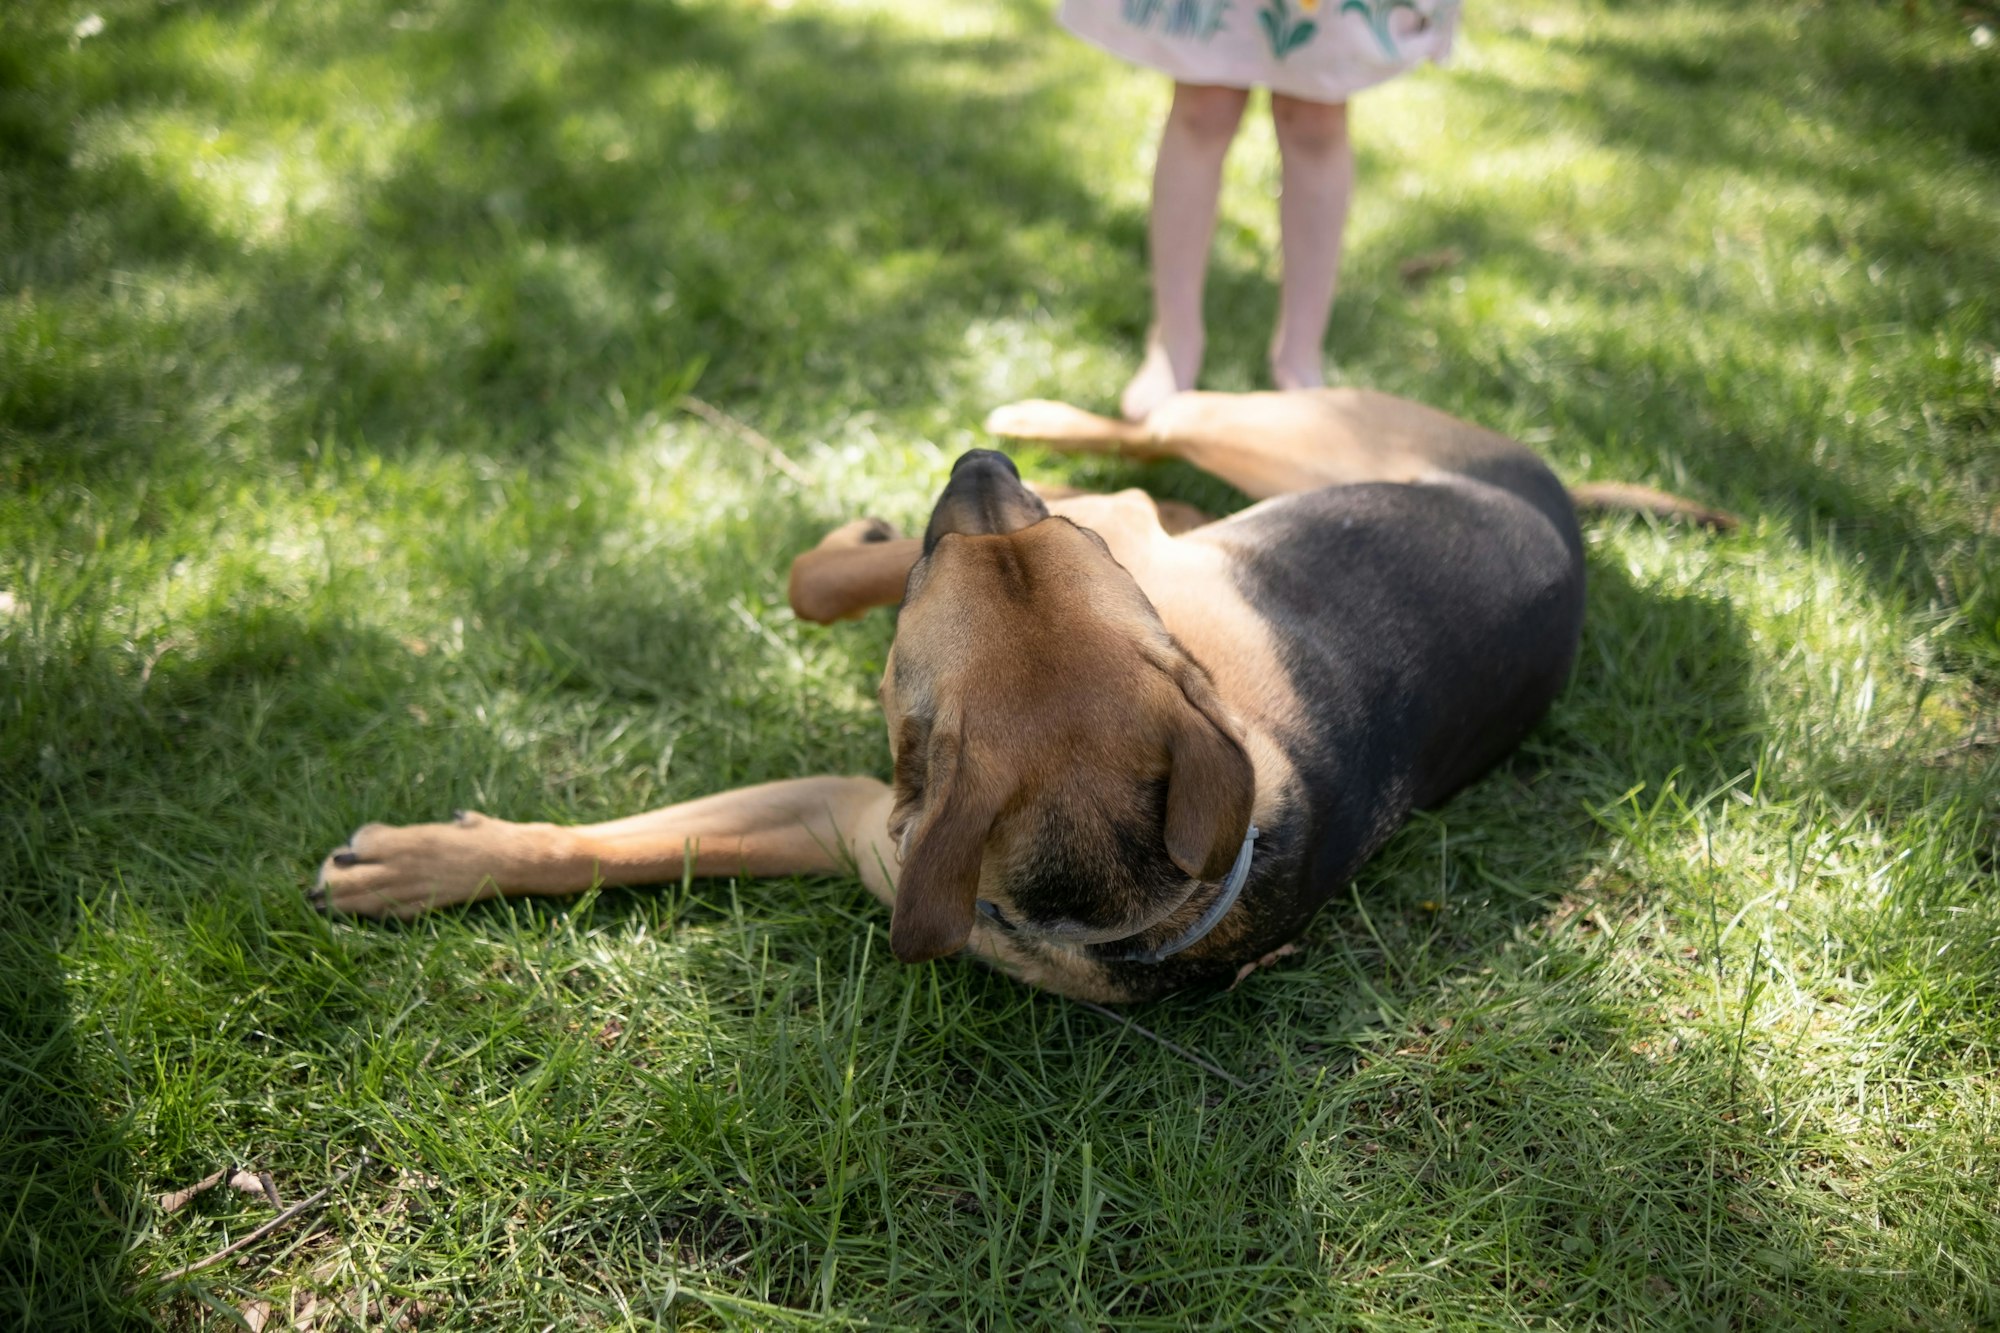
[{"x": 1623, "y": 497}]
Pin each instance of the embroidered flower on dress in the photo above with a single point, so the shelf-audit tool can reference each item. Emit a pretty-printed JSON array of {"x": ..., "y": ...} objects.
[
  {"x": 1377, "y": 14},
  {"x": 1287, "y": 36}
]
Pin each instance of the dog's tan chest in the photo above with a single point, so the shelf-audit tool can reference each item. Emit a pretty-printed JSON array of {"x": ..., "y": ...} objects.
[{"x": 1189, "y": 582}]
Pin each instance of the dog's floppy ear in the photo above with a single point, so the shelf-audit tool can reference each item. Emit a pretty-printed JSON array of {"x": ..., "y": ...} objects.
[
  {"x": 1210, "y": 783},
  {"x": 939, "y": 880}
]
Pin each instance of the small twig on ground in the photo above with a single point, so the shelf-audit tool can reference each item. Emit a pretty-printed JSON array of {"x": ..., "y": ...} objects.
[
  {"x": 164, "y": 647},
  {"x": 179, "y": 1199},
  {"x": 251, "y": 1237},
  {"x": 239, "y": 1178},
  {"x": 720, "y": 419},
  {"x": 1182, "y": 1051}
]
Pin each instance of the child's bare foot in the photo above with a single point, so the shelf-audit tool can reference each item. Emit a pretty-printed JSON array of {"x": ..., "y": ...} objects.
[
  {"x": 1167, "y": 370},
  {"x": 1292, "y": 370}
]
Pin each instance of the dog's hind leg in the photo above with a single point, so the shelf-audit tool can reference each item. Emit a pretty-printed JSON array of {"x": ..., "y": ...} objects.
[
  {"x": 805, "y": 826},
  {"x": 1269, "y": 444}
]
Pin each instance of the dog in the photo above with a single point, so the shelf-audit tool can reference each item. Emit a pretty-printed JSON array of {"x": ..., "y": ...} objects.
[{"x": 1133, "y": 750}]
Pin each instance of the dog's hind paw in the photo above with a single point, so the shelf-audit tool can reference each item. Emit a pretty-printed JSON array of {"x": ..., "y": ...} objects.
[
  {"x": 859, "y": 532},
  {"x": 1060, "y": 424}
]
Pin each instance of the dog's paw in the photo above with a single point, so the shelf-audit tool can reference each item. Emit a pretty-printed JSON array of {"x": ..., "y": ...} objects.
[
  {"x": 860, "y": 532},
  {"x": 390, "y": 871},
  {"x": 1044, "y": 419},
  {"x": 1073, "y": 429}
]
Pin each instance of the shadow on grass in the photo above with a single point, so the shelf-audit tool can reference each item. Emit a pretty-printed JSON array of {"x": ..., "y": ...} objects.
[
  {"x": 1941, "y": 98},
  {"x": 62, "y": 1151},
  {"x": 1716, "y": 400},
  {"x": 160, "y": 785},
  {"x": 1712, "y": 402},
  {"x": 587, "y": 205}
]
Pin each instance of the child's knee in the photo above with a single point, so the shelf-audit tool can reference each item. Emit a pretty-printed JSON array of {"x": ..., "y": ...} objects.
[
  {"x": 1315, "y": 129},
  {"x": 1206, "y": 113}
]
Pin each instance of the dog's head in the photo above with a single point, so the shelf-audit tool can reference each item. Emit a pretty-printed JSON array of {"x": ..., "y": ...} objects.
[{"x": 1057, "y": 752}]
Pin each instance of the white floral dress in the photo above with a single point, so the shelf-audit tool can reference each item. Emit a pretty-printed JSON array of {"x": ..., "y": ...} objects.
[{"x": 1320, "y": 50}]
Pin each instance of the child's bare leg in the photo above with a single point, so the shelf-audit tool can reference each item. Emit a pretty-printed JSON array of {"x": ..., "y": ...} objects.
[
  {"x": 1187, "y": 182},
  {"x": 1318, "y": 179}
]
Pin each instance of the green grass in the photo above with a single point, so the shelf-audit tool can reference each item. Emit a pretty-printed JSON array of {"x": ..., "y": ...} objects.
[{"x": 343, "y": 476}]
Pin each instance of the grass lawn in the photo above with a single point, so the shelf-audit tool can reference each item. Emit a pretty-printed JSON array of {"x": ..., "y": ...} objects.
[{"x": 347, "y": 472}]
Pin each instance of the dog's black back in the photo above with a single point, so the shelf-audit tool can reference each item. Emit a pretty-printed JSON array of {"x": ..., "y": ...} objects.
[{"x": 1425, "y": 629}]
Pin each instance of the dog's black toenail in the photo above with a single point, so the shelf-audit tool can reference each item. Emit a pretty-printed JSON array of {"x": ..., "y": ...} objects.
[{"x": 345, "y": 858}]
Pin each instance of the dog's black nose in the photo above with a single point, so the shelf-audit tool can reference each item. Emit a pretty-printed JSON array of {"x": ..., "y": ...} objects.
[
  {"x": 984, "y": 497},
  {"x": 984, "y": 456}
]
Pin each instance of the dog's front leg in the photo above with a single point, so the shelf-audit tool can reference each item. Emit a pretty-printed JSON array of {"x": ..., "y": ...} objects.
[
  {"x": 854, "y": 569},
  {"x": 804, "y": 826}
]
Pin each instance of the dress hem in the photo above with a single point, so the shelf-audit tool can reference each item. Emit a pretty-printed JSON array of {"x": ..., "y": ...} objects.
[{"x": 1188, "y": 61}]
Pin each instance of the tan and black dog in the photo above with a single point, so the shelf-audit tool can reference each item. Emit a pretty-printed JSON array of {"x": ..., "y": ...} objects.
[{"x": 1133, "y": 750}]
